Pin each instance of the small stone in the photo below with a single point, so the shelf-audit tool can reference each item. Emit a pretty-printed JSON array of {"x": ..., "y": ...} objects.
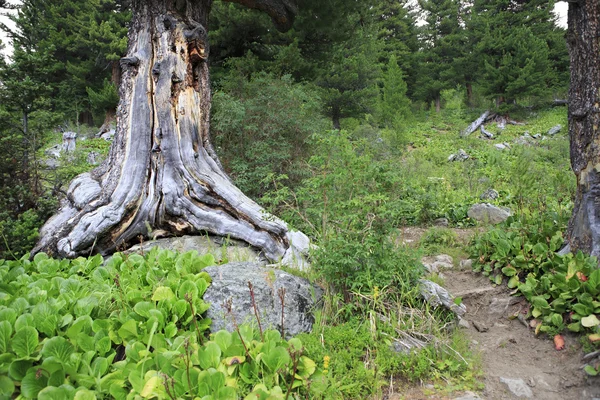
[
  {"x": 517, "y": 387},
  {"x": 463, "y": 323},
  {"x": 440, "y": 265},
  {"x": 498, "y": 306},
  {"x": 108, "y": 136},
  {"x": 554, "y": 130},
  {"x": 537, "y": 136},
  {"x": 489, "y": 194},
  {"x": 444, "y": 258},
  {"x": 466, "y": 264},
  {"x": 480, "y": 326},
  {"x": 441, "y": 222},
  {"x": 500, "y": 146},
  {"x": 468, "y": 396}
]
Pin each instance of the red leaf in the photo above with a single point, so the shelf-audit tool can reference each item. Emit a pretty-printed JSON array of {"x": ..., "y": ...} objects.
[{"x": 559, "y": 342}]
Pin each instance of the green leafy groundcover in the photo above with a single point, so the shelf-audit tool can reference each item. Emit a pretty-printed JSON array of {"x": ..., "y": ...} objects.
[{"x": 132, "y": 329}]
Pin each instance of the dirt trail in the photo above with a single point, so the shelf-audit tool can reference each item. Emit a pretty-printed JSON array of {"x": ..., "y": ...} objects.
[{"x": 511, "y": 353}]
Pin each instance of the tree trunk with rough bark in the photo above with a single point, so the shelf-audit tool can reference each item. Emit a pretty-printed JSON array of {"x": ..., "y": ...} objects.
[
  {"x": 162, "y": 174},
  {"x": 584, "y": 120}
]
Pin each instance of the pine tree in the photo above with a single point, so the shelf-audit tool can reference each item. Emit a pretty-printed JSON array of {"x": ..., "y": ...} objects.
[
  {"x": 395, "y": 106},
  {"x": 442, "y": 37},
  {"x": 519, "y": 46}
]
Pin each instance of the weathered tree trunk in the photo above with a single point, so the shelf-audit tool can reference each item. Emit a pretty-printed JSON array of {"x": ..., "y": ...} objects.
[
  {"x": 438, "y": 104},
  {"x": 162, "y": 172},
  {"x": 584, "y": 120}
]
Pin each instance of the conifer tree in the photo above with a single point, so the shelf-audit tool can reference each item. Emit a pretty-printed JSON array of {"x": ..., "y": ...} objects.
[{"x": 395, "y": 106}]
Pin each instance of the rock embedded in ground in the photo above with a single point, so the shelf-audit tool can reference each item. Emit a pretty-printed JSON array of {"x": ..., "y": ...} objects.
[
  {"x": 438, "y": 263},
  {"x": 488, "y": 213},
  {"x": 468, "y": 396},
  {"x": 460, "y": 156},
  {"x": 441, "y": 222},
  {"x": 517, "y": 387},
  {"x": 466, "y": 264},
  {"x": 554, "y": 130},
  {"x": 489, "y": 194},
  {"x": 480, "y": 326},
  {"x": 230, "y": 282}
]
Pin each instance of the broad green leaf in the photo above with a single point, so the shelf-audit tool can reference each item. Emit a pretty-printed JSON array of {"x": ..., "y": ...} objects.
[
  {"x": 540, "y": 249},
  {"x": 25, "y": 342},
  {"x": 590, "y": 321},
  {"x": 33, "y": 383},
  {"x": 513, "y": 282},
  {"x": 188, "y": 288},
  {"x": 556, "y": 319},
  {"x": 5, "y": 333},
  {"x": 9, "y": 315},
  {"x": 18, "y": 369},
  {"x": 539, "y": 302},
  {"x": 581, "y": 309},
  {"x": 226, "y": 393},
  {"x": 57, "y": 378},
  {"x": 103, "y": 346},
  {"x": 276, "y": 359},
  {"x": 223, "y": 339},
  {"x": 59, "y": 348},
  {"x": 143, "y": 308},
  {"x": 590, "y": 370},
  {"x": 128, "y": 330},
  {"x": 7, "y": 387},
  {"x": 53, "y": 393},
  {"x": 509, "y": 271},
  {"x": 498, "y": 279},
  {"x": 152, "y": 387},
  {"x": 163, "y": 293},
  {"x": 306, "y": 367},
  {"x": 84, "y": 394},
  {"x": 209, "y": 356},
  {"x": 170, "y": 330},
  {"x": 46, "y": 319},
  {"x": 23, "y": 321},
  {"x": 574, "y": 327}
]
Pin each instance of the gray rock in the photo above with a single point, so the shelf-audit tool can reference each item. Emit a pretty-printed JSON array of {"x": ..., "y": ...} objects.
[
  {"x": 554, "y": 130},
  {"x": 466, "y": 264},
  {"x": 444, "y": 258},
  {"x": 93, "y": 158},
  {"x": 498, "y": 306},
  {"x": 436, "y": 295},
  {"x": 463, "y": 323},
  {"x": 480, "y": 326},
  {"x": 69, "y": 142},
  {"x": 500, "y": 146},
  {"x": 230, "y": 282},
  {"x": 485, "y": 212},
  {"x": 222, "y": 248},
  {"x": 441, "y": 222},
  {"x": 517, "y": 387},
  {"x": 537, "y": 136},
  {"x": 460, "y": 156},
  {"x": 438, "y": 263},
  {"x": 108, "y": 136},
  {"x": 489, "y": 194},
  {"x": 469, "y": 396},
  {"x": 54, "y": 151}
]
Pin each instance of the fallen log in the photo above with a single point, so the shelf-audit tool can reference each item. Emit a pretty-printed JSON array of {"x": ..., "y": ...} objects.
[{"x": 475, "y": 124}]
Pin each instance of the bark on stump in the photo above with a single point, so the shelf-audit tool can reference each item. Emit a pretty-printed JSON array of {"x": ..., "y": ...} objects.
[
  {"x": 584, "y": 120},
  {"x": 162, "y": 172}
]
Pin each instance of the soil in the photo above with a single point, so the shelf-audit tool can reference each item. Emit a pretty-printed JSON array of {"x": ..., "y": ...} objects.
[{"x": 508, "y": 348}]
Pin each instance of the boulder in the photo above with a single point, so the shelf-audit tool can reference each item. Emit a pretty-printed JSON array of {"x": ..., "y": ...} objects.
[
  {"x": 489, "y": 194},
  {"x": 488, "y": 213},
  {"x": 230, "y": 283},
  {"x": 221, "y": 248},
  {"x": 441, "y": 222},
  {"x": 554, "y": 130},
  {"x": 108, "y": 136},
  {"x": 460, "y": 156}
]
